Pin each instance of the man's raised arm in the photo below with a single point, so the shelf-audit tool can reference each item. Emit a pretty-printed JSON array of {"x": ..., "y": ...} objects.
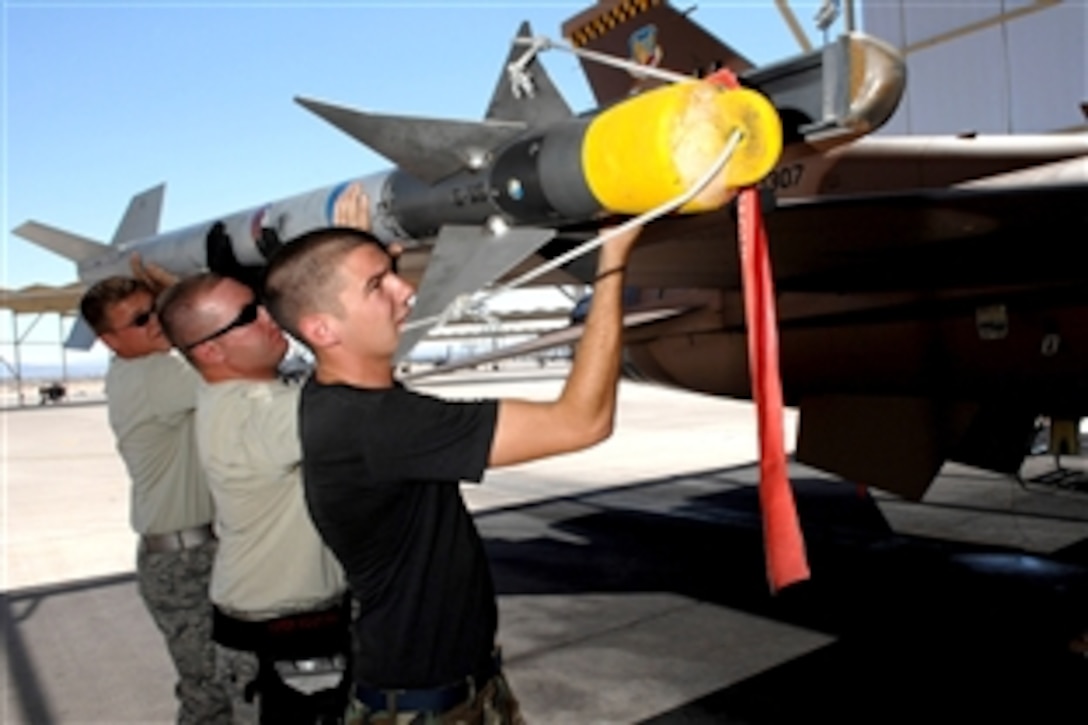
[{"x": 584, "y": 413}]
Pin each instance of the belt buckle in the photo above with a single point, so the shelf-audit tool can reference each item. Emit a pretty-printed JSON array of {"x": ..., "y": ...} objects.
[{"x": 311, "y": 675}]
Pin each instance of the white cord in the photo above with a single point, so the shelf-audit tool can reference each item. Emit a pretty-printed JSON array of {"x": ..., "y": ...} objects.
[{"x": 541, "y": 42}]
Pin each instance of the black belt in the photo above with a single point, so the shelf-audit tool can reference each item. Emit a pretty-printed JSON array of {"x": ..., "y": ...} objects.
[
  {"x": 436, "y": 700},
  {"x": 293, "y": 636}
]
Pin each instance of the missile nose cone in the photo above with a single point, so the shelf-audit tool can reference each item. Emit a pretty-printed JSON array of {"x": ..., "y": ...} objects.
[
  {"x": 651, "y": 148},
  {"x": 714, "y": 116}
]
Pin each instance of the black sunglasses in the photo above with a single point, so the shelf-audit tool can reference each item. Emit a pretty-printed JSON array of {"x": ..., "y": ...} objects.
[
  {"x": 139, "y": 320},
  {"x": 247, "y": 316}
]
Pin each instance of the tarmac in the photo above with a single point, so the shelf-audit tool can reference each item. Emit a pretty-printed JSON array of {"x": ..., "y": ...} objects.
[{"x": 631, "y": 579}]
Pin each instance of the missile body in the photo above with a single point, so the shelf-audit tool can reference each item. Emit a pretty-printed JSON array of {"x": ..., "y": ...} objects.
[
  {"x": 244, "y": 238},
  {"x": 627, "y": 159}
]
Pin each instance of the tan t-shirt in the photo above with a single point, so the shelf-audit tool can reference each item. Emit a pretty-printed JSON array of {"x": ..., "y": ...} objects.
[
  {"x": 151, "y": 404},
  {"x": 271, "y": 560}
]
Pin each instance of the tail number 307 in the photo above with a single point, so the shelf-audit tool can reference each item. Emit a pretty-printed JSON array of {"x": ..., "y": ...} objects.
[{"x": 784, "y": 177}]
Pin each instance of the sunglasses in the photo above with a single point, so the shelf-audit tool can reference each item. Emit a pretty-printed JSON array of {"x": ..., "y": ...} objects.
[
  {"x": 139, "y": 320},
  {"x": 247, "y": 316}
]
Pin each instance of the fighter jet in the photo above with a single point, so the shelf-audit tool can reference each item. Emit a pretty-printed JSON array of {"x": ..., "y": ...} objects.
[
  {"x": 917, "y": 323},
  {"x": 930, "y": 289}
]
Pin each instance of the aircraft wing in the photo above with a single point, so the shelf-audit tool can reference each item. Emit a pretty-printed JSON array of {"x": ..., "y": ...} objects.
[
  {"x": 915, "y": 241},
  {"x": 917, "y": 325}
]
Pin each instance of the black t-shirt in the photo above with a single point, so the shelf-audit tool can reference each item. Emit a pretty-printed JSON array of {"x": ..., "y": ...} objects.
[{"x": 381, "y": 470}]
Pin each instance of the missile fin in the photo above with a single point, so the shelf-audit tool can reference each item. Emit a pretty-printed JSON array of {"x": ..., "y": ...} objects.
[
  {"x": 141, "y": 219},
  {"x": 651, "y": 33},
  {"x": 464, "y": 260},
  {"x": 68, "y": 245},
  {"x": 81, "y": 336},
  {"x": 429, "y": 149},
  {"x": 541, "y": 105}
]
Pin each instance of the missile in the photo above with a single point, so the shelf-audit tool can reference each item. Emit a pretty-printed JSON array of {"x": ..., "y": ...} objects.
[
  {"x": 483, "y": 196},
  {"x": 628, "y": 159}
]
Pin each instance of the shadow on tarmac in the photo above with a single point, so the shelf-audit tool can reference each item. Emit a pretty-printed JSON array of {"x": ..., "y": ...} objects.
[
  {"x": 925, "y": 629},
  {"x": 74, "y": 640}
]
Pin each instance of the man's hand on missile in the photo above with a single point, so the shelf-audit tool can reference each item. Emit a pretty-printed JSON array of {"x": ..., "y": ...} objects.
[
  {"x": 151, "y": 274},
  {"x": 352, "y": 208}
]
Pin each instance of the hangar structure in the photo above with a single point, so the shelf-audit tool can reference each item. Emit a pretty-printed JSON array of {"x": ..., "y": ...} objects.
[
  {"x": 987, "y": 66},
  {"x": 36, "y": 302}
]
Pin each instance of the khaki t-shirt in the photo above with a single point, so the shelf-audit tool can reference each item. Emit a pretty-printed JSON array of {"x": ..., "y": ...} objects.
[
  {"x": 271, "y": 560},
  {"x": 151, "y": 402}
]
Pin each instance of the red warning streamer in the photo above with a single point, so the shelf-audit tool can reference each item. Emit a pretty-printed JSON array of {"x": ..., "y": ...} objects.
[{"x": 784, "y": 545}]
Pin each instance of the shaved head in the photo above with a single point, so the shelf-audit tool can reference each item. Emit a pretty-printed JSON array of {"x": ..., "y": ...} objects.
[{"x": 181, "y": 312}]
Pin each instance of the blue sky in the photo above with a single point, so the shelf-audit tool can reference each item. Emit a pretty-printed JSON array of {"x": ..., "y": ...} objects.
[{"x": 103, "y": 100}]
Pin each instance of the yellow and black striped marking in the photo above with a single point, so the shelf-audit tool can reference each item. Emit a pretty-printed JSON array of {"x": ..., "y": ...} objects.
[{"x": 608, "y": 19}]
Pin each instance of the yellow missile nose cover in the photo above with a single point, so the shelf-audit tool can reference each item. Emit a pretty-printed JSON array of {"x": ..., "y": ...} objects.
[{"x": 642, "y": 152}]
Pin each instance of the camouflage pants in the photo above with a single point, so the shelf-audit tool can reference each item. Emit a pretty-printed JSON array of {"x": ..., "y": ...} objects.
[
  {"x": 235, "y": 669},
  {"x": 174, "y": 587},
  {"x": 494, "y": 704}
]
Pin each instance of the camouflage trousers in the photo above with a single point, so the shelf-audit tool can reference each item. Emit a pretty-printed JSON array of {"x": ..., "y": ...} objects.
[
  {"x": 174, "y": 587},
  {"x": 235, "y": 670},
  {"x": 494, "y": 704}
]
